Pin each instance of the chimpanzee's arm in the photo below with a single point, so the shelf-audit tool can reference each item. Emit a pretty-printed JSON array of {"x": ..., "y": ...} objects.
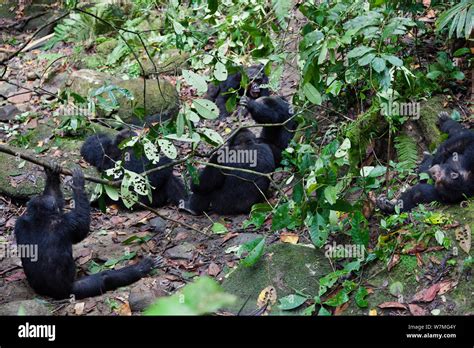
[
  {"x": 53, "y": 184},
  {"x": 78, "y": 219},
  {"x": 454, "y": 145},
  {"x": 210, "y": 178},
  {"x": 418, "y": 194}
]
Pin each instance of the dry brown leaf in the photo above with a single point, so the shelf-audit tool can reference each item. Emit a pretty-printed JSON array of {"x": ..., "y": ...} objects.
[
  {"x": 419, "y": 260},
  {"x": 427, "y": 295},
  {"x": 79, "y": 308},
  {"x": 340, "y": 309},
  {"x": 393, "y": 261},
  {"x": 213, "y": 269},
  {"x": 397, "y": 305},
  {"x": 463, "y": 236},
  {"x": 373, "y": 312},
  {"x": 416, "y": 310},
  {"x": 288, "y": 237},
  {"x": 124, "y": 309},
  {"x": 446, "y": 285},
  {"x": 267, "y": 297},
  {"x": 228, "y": 236},
  {"x": 434, "y": 260}
]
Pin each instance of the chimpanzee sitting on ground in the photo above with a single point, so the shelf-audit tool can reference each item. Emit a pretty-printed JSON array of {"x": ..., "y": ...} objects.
[
  {"x": 273, "y": 110},
  {"x": 102, "y": 152},
  {"x": 451, "y": 168},
  {"x": 227, "y": 191},
  {"x": 220, "y": 93},
  {"x": 46, "y": 227}
]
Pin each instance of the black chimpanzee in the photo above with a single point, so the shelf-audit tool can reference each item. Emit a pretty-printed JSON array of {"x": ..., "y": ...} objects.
[
  {"x": 102, "y": 152},
  {"x": 451, "y": 168},
  {"x": 271, "y": 110},
  {"x": 50, "y": 231},
  {"x": 227, "y": 191},
  {"x": 221, "y": 93}
]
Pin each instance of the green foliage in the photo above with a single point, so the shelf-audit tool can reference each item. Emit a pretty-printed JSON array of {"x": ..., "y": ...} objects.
[
  {"x": 407, "y": 151},
  {"x": 204, "y": 296},
  {"x": 459, "y": 20}
]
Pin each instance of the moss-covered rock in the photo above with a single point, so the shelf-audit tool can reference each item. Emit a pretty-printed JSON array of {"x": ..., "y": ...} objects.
[
  {"x": 171, "y": 62},
  {"x": 21, "y": 179},
  {"x": 288, "y": 268},
  {"x": 161, "y": 96}
]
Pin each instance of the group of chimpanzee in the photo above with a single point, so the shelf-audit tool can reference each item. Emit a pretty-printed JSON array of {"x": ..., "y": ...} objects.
[{"x": 224, "y": 191}]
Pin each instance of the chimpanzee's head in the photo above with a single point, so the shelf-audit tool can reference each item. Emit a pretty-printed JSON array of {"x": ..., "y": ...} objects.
[
  {"x": 43, "y": 206},
  {"x": 257, "y": 78},
  {"x": 452, "y": 176},
  {"x": 244, "y": 137}
]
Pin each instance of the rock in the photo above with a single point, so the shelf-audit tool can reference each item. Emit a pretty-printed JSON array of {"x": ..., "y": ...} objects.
[
  {"x": 55, "y": 81},
  {"x": 27, "y": 307},
  {"x": 140, "y": 298},
  {"x": 161, "y": 100},
  {"x": 21, "y": 180},
  {"x": 6, "y": 89},
  {"x": 20, "y": 98},
  {"x": 285, "y": 266},
  {"x": 170, "y": 62},
  {"x": 181, "y": 251},
  {"x": 106, "y": 47},
  {"x": 31, "y": 76},
  {"x": 158, "y": 224},
  {"x": 8, "y": 112}
]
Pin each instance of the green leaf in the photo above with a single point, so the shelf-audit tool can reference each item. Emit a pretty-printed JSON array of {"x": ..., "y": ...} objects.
[
  {"x": 255, "y": 253},
  {"x": 359, "y": 51},
  {"x": 439, "y": 236},
  {"x": 203, "y": 296},
  {"x": 212, "y": 5},
  {"x": 341, "y": 298},
  {"x": 378, "y": 64},
  {"x": 282, "y": 10},
  {"x": 197, "y": 81},
  {"x": 318, "y": 230},
  {"x": 360, "y": 296},
  {"x": 112, "y": 192},
  {"x": 291, "y": 302},
  {"x": 396, "y": 289},
  {"x": 462, "y": 51},
  {"x": 168, "y": 148},
  {"x": 433, "y": 75},
  {"x": 220, "y": 72},
  {"x": 218, "y": 228},
  {"x": 312, "y": 94},
  {"x": 281, "y": 217},
  {"x": 366, "y": 59},
  {"x": 206, "y": 108},
  {"x": 151, "y": 152},
  {"x": 323, "y": 312},
  {"x": 393, "y": 60},
  {"x": 458, "y": 75},
  {"x": 211, "y": 136},
  {"x": 323, "y": 53},
  {"x": 330, "y": 193},
  {"x": 178, "y": 27}
]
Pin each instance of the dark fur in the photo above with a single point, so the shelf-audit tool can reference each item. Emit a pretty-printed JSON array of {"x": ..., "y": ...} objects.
[
  {"x": 102, "y": 152},
  {"x": 232, "y": 192},
  {"x": 271, "y": 110},
  {"x": 219, "y": 94},
  {"x": 53, "y": 231},
  {"x": 451, "y": 167}
]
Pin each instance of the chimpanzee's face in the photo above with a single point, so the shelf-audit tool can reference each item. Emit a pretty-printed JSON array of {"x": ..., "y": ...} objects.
[
  {"x": 257, "y": 78},
  {"x": 450, "y": 175}
]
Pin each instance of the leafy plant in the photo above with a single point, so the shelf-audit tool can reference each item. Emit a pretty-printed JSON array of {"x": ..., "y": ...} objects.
[{"x": 459, "y": 20}]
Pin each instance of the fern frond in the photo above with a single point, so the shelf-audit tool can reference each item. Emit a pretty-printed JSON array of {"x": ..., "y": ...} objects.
[{"x": 407, "y": 151}]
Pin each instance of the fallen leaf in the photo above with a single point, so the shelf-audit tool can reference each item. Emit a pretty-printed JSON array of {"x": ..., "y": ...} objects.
[
  {"x": 124, "y": 309},
  {"x": 446, "y": 285},
  {"x": 427, "y": 295},
  {"x": 15, "y": 276},
  {"x": 434, "y": 260},
  {"x": 79, "y": 308},
  {"x": 393, "y": 304},
  {"x": 393, "y": 261},
  {"x": 267, "y": 297},
  {"x": 340, "y": 309},
  {"x": 213, "y": 269},
  {"x": 463, "y": 236},
  {"x": 373, "y": 312},
  {"x": 228, "y": 236},
  {"x": 416, "y": 310},
  {"x": 419, "y": 260},
  {"x": 288, "y": 237}
]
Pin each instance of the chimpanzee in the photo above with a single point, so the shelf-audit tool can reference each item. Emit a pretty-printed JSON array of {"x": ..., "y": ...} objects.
[
  {"x": 273, "y": 110},
  {"x": 451, "y": 168},
  {"x": 227, "y": 191},
  {"x": 52, "y": 232},
  {"x": 221, "y": 93},
  {"x": 102, "y": 152}
]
